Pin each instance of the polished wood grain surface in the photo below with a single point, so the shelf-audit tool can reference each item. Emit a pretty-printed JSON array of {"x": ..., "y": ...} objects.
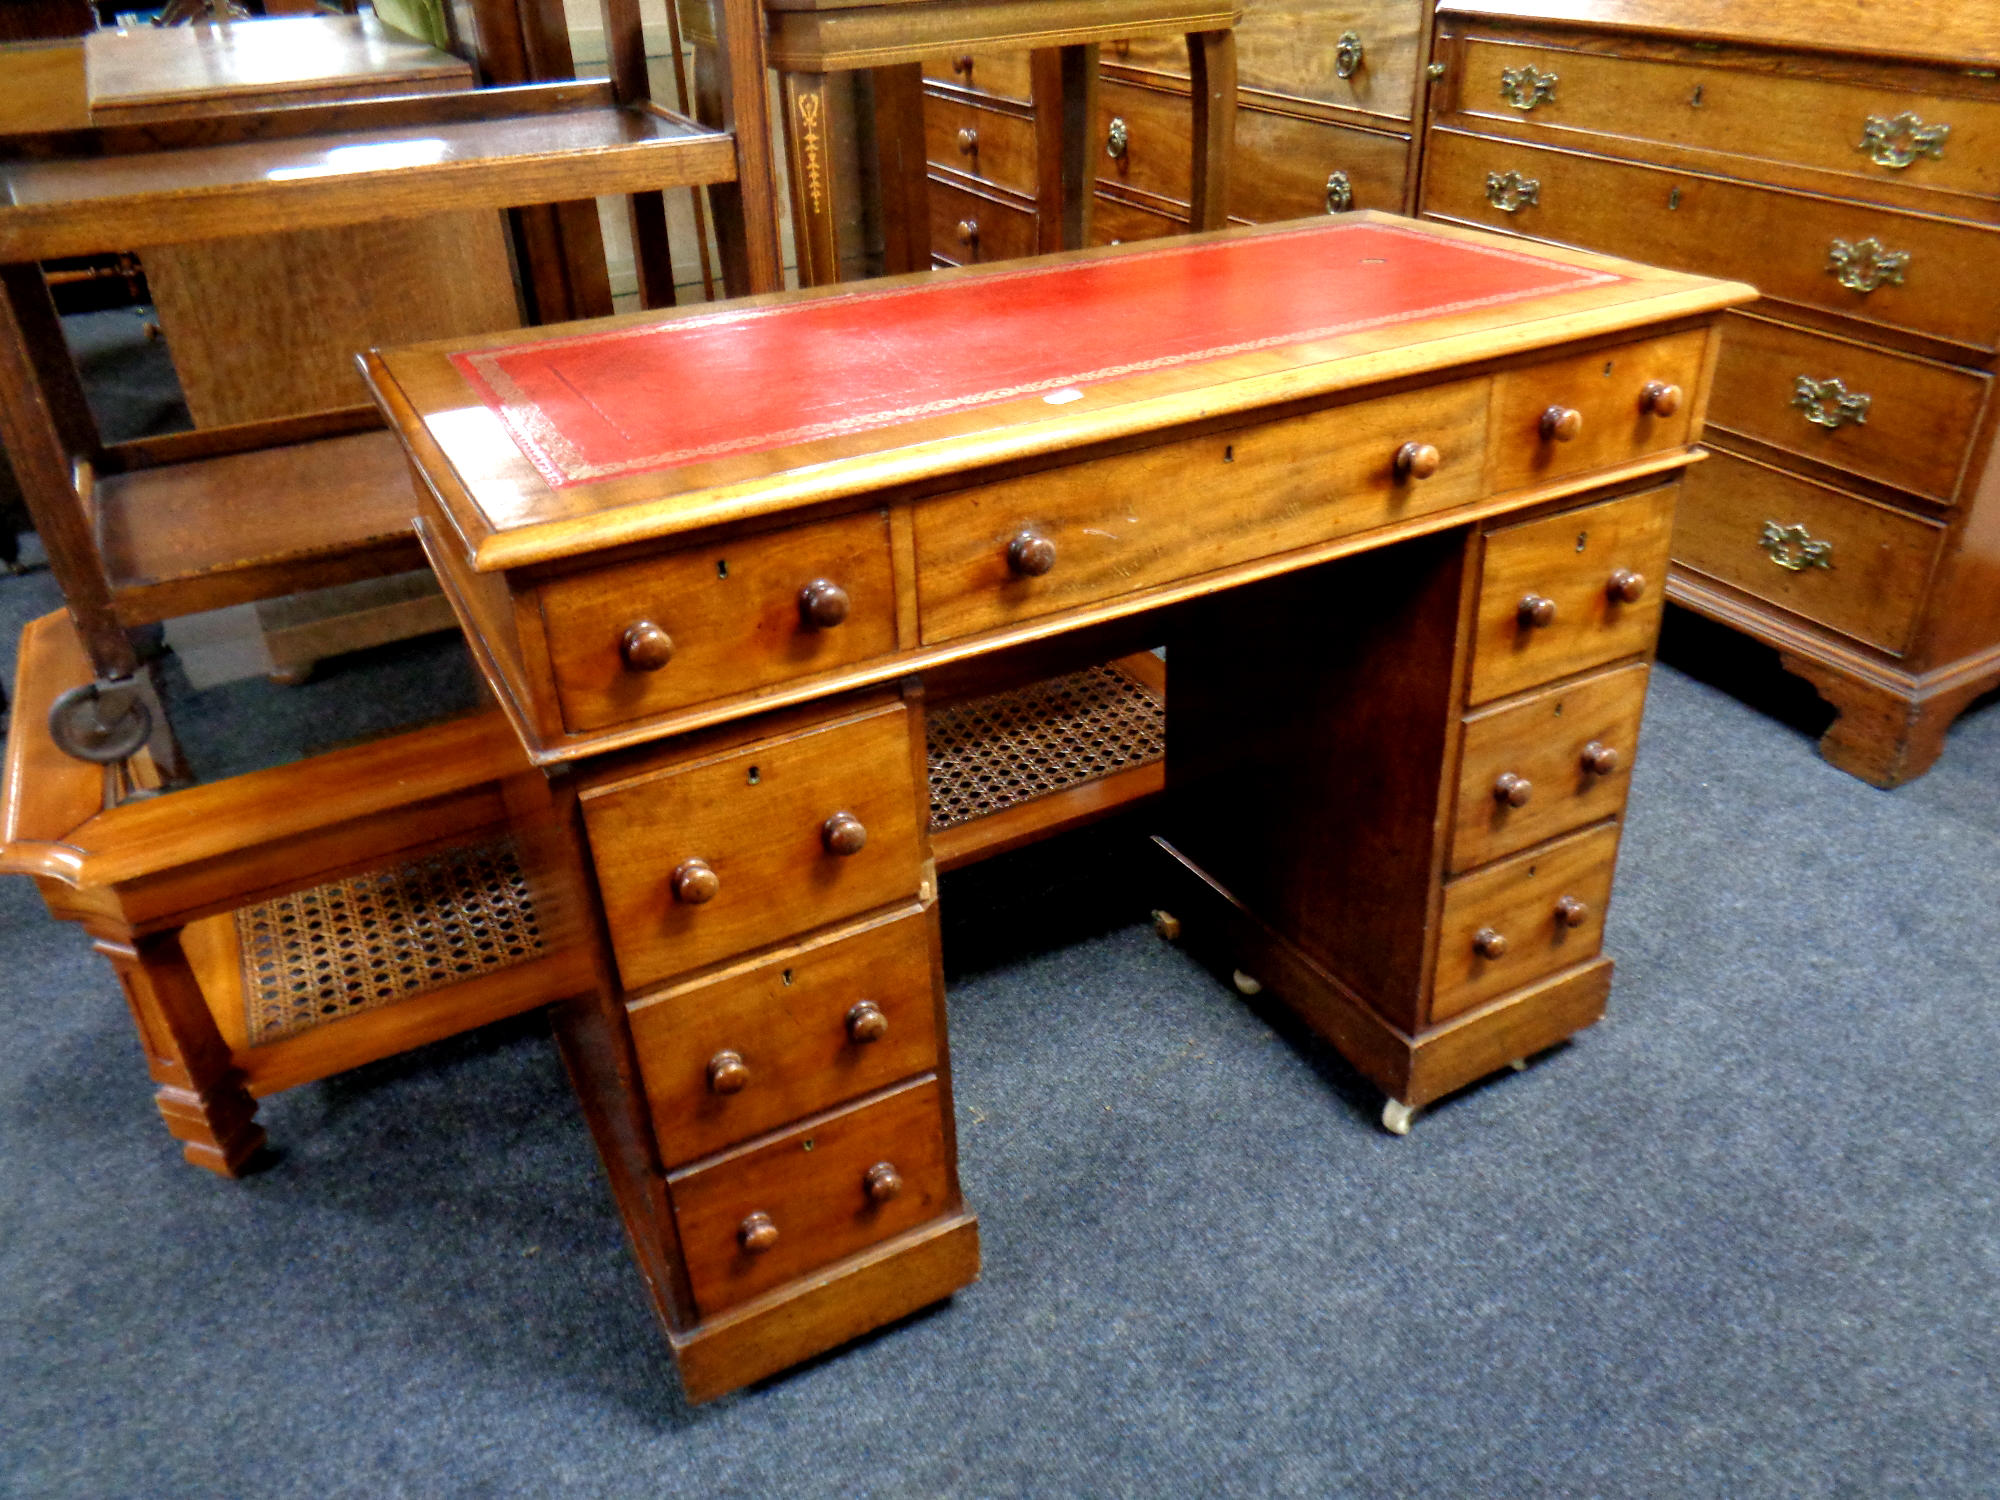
[{"x": 1611, "y": 409}]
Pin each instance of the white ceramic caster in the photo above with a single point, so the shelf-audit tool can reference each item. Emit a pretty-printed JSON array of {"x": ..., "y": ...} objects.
[
  {"x": 1245, "y": 985},
  {"x": 1167, "y": 925},
  {"x": 1396, "y": 1116},
  {"x": 1518, "y": 1065}
]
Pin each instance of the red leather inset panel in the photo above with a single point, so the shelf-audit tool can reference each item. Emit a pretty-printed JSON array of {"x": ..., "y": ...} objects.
[{"x": 639, "y": 399}]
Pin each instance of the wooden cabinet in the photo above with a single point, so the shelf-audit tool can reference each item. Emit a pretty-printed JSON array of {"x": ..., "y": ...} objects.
[{"x": 1850, "y": 168}]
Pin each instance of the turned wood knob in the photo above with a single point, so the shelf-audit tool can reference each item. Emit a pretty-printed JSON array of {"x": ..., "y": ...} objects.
[
  {"x": 843, "y": 833},
  {"x": 757, "y": 1233},
  {"x": 1572, "y": 912},
  {"x": 1513, "y": 790},
  {"x": 694, "y": 882},
  {"x": 727, "y": 1073},
  {"x": 865, "y": 1022},
  {"x": 882, "y": 1182},
  {"x": 645, "y": 647},
  {"x": 968, "y": 140},
  {"x": 1489, "y": 944},
  {"x": 962, "y": 63},
  {"x": 968, "y": 231},
  {"x": 1561, "y": 424},
  {"x": 822, "y": 604},
  {"x": 1031, "y": 555},
  {"x": 1417, "y": 461},
  {"x": 1536, "y": 609},
  {"x": 1599, "y": 758},
  {"x": 1626, "y": 586},
  {"x": 1659, "y": 398}
]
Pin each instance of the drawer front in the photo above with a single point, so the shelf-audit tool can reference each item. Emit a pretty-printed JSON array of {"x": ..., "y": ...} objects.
[
  {"x": 733, "y": 615},
  {"x": 1792, "y": 246},
  {"x": 811, "y": 1187},
  {"x": 1115, "y": 223},
  {"x": 757, "y": 819},
  {"x": 1904, "y": 421},
  {"x": 1763, "y": 531},
  {"x": 1003, "y": 75},
  {"x": 1284, "y": 168},
  {"x": 968, "y": 230},
  {"x": 1524, "y": 903},
  {"x": 1155, "y": 133},
  {"x": 753, "y": 1049},
  {"x": 1808, "y": 122},
  {"x": 1293, "y": 48},
  {"x": 982, "y": 143},
  {"x": 1159, "y": 515},
  {"x": 1539, "y": 768},
  {"x": 1571, "y": 562},
  {"x": 1613, "y": 394}
]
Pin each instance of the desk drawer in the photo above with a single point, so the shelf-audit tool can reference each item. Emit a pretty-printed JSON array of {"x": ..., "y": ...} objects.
[
  {"x": 968, "y": 230},
  {"x": 1140, "y": 519},
  {"x": 1541, "y": 767},
  {"x": 1903, "y": 421},
  {"x": 982, "y": 143},
  {"x": 1003, "y": 75},
  {"x": 1156, "y": 132},
  {"x": 1614, "y": 397},
  {"x": 733, "y": 613},
  {"x": 1552, "y": 593},
  {"x": 1116, "y": 223},
  {"x": 780, "y": 1209},
  {"x": 1803, "y": 121},
  {"x": 1792, "y": 246},
  {"x": 757, "y": 819},
  {"x": 1510, "y": 924},
  {"x": 1743, "y": 522},
  {"x": 750, "y": 1050}
]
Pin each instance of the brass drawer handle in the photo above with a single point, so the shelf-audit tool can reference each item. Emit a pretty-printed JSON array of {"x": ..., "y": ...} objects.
[
  {"x": 1339, "y": 193},
  {"x": 1829, "y": 404},
  {"x": 1117, "y": 139},
  {"x": 727, "y": 1073},
  {"x": 1794, "y": 549},
  {"x": 1348, "y": 55},
  {"x": 1510, "y": 192},
  {"x": 1897, "y": 143},
  {"x": 645, "y": 647},
  {"x": 757, "y": 1233},
  {"x": 968, "y": 141},
  {"x": 1524, "y": 88},
  {"x": 1866, "y": 264}
]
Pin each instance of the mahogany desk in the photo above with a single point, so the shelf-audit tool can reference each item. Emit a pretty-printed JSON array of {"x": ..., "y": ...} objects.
[{"x": 1396, "y": 497}]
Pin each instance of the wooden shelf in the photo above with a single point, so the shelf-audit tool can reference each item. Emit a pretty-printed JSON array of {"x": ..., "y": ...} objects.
[
  {"x": 213, "y": 532},
  {"x": 77, "y": 204}
]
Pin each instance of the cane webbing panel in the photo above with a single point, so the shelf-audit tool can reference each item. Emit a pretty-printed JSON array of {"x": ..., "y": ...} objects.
[
  {"x": 989, "y": 754},
  {"x": 352, "y": 945}
]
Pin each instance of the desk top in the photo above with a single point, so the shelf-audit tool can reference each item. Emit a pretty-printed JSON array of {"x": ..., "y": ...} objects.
[{"x": 569, "y": 440}]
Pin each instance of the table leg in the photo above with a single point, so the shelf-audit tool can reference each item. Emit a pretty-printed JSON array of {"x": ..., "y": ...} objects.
[
  {"x": 1079, "y": 132},
  {"x": 901, "y": 168},
  {"x": 1212, "y": 82},
  {"x": 809, "y": 156}
]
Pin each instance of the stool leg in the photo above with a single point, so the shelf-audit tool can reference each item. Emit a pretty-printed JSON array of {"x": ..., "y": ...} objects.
[
  {"x": 1212, "y": 83},
  {"x": 809, "y": 156},
  {"x": 200, "y": 1093},
  {"x": 1079, "y": 142}
]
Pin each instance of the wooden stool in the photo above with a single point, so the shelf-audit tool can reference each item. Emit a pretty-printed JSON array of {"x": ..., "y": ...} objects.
[{"x": 805, "y": 40}]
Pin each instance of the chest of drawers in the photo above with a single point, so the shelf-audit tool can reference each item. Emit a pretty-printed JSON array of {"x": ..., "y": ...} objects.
[
  {"x": 1848, "y": 163},
  {"x": 1396, "y": 498}
]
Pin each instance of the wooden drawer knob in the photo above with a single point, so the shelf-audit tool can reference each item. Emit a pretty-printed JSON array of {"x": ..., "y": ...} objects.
[
  {"x": 968, "y": 232},
  {"x": 1536, "y": 610},
  {"x": 1659, "y": 398},
  {"x": 1489, "y": 944},
  {"x": 727, "y": 1073},
  {"x": 843, "y": 833},
  {"x": 968, "y": 140},
  {"x": 1626, "y": 586},
  {"x": 1599, "y": 758},
  {"x": 1031, "y": 555},
  {"x": 865, "y": 1022},
  {"x": 1572, "y": 912},
  {"x": 757, "y": 1233},
  {"x": 962, "y": 63},
  {"x": 822, "y": 604},
  {"x": 882, "y": 1182},
  {"x": 1561, "y": 424},
  {"x": 645, "y": 647},
  {"x": 1513, "y": 790},
  {"x": 694, "y": 882},
  {"x": 1417, "y": 461}
]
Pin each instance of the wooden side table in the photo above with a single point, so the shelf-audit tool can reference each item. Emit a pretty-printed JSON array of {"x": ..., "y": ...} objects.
[{"x": 805, "y": 41}]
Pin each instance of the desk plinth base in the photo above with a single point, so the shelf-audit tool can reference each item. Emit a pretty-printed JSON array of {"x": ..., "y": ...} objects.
[{"x": 1414, "y": 1070}]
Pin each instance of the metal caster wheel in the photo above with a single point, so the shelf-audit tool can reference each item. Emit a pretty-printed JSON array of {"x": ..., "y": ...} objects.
[
  {"x": 1396, "y": 1116},
  {"x": 1167, "y": 925},
  {"x": 1245, "y": 984},
  {"x": 102, "y": 722}
]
